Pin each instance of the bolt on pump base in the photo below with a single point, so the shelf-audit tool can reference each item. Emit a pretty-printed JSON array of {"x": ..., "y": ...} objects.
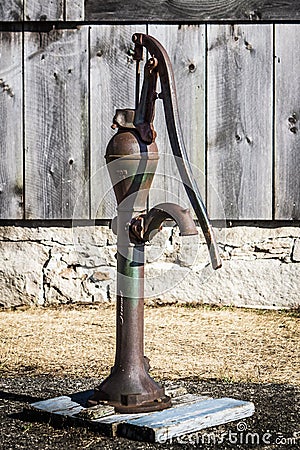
[{"x": 131, "y": 158}]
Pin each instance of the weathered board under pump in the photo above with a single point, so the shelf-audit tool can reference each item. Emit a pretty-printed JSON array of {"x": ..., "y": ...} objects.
[{"x": 132, "y": 157}]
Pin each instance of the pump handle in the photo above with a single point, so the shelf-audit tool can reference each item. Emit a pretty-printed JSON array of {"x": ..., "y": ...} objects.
[{"x": 168, "y": 95}]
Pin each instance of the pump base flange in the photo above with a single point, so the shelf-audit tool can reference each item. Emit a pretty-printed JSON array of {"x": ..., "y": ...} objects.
[
  {"x": 156, "y": 405},
  {"x": 126, "y": 407}
]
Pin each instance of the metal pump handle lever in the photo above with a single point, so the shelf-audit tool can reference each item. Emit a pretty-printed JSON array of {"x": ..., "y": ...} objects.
[{"x": 168, "y": 95}]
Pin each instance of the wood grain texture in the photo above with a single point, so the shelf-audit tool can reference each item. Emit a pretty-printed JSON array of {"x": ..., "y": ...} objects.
[
  {"x": 187, "y": 418},
  {"x": 186, "y": 48},
  {"x": 191, "y": 10},
  {"x": 239, "y": 118},
  {"x": 112, "y": 87},
  {"x": 11, "y": 10},
  {"x": 74, "y": 10},
  {"x": 11, "y": 126},
  {"x": 287, "y": 122},
  {"x": 240, "y": 60},
  {"x": 56, "y": 124},
  {"x": 44, "y": 10}
]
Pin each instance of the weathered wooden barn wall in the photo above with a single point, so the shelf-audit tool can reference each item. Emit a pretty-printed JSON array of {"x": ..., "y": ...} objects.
[{"x": 61, "y": 80}]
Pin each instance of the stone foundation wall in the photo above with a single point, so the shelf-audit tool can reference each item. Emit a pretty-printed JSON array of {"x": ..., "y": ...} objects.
[{"x": 46, "y": 266}]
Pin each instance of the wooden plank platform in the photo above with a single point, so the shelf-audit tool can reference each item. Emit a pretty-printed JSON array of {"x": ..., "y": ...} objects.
[{"x": 189, "y": 413}]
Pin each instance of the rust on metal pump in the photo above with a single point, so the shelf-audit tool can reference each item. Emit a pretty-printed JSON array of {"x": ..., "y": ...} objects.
[{"x": 132, "y": 158}]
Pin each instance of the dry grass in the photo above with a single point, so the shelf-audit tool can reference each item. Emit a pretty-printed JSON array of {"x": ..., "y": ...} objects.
[{"x": 227, "y": 344}]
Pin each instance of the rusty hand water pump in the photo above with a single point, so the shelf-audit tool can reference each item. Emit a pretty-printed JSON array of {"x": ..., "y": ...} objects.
[{"x": 132, "y": 157}]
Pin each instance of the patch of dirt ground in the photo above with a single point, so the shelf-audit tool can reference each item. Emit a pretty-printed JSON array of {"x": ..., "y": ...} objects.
[{"x": 246, "y": 354}]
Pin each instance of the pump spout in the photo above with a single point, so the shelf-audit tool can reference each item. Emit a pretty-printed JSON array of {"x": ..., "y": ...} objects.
[{"x": 146, "y": 226}]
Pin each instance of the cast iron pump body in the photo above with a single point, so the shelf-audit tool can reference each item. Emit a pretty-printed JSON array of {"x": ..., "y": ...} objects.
[{"x": 132, "y": 157}]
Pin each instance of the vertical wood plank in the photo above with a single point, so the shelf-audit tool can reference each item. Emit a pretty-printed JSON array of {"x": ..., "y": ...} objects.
[
  {"x": 11, "y": 10},
  {"x": 112, "y": 87},
  {"x": 74, "y": 10},
  {"x": 287, "y": 121},
  {"x": 56, "y": 124},
  {"x": 11, "y": 126},
  {"x": 43, "y": 10},
  {"x": 185, "y": 45},
  {"x": 240, "y": 61}
]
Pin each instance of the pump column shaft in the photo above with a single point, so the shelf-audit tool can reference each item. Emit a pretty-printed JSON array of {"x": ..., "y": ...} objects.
[{"x": 130, "y": 307}]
